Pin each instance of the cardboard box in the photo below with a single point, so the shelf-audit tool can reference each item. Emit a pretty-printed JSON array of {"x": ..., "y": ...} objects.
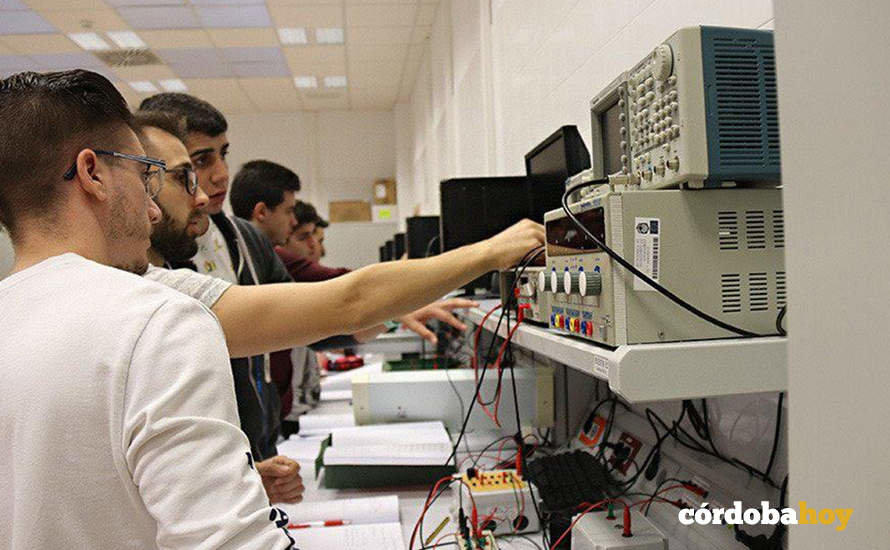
[
  {"x": 385, "y": 192},
  {"x": 385, "y": 213},
  {"x": 349, "y": 211}
]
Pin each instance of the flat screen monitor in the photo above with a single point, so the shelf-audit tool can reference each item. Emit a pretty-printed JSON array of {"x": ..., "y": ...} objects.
[
  {"x": 384, "y": 254},
  {"x": 391, "y": 249},
  {"x": 560, "y": 156},
  {"x": 422, "y": 236}
]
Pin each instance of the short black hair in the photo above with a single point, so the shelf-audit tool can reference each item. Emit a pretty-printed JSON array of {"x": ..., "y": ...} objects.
[
  {"x": 306, "y": 213},
  {"x": 261, "y": 181},
  {"x": 169, "y": 122},
  {"x": 199, "y": 115},
  {"x": 46, "y": 119}
]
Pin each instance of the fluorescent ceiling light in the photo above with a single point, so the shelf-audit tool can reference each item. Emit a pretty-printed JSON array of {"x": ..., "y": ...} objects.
[
  {"x": 331, "y": 35},
  {"x": 127, "y": 40},
  {"x": 335, "y": 81},
  {"x": 173, "y": 85},
  {"x": 305, "y": 82},
  {"x": 292, "y": 35},
  {"x": 89, "y": 41},
  {"x": 143, "y": 86}
]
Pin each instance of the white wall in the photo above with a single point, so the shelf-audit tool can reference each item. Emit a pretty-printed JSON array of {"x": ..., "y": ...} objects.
[
  {"x": 337, "y": 154},
  {"x": 833, "y": 82},
  {"x": 496, "y": 82}
]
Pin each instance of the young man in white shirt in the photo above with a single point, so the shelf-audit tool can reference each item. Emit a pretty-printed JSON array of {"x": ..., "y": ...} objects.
[{"x": 118, "y": 425}]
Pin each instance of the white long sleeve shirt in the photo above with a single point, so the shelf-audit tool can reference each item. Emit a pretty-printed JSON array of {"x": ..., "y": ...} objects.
[{"x": 118, "y": 424}]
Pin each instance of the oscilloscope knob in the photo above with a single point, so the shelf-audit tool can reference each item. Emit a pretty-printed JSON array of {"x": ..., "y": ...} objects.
[
  {"x": 569, "y": 281},
  {"x": 542, "y": 282},
  {"x": 663, "y": 62},
  {"x": 554, "y": 282},
  {"x": 590, "y": 283}
]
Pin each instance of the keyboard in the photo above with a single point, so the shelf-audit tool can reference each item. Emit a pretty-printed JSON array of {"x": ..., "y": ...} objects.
[{"x": 566, "y": 480}]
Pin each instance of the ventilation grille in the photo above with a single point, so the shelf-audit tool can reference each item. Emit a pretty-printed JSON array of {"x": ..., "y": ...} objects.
[
  {"x": 747, "y": 108},
  {"x": 758, "y": 292},
  {"x": 778, "y": 229},
  {"x": 128, "y": 58},
  {"x": 728, "y": 230},
  {"x": 731, "y": 292},
  {"x": 781, "y": 297},
  {"x": 755, "y": 229}
]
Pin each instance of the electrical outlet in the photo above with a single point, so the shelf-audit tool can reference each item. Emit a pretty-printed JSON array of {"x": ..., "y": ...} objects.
[
  {"x": 595, "y": 532},
  {"x": 631, "y": 443}
]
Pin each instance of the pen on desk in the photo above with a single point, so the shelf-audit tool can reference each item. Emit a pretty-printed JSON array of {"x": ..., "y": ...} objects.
[{"x": 328, "y": 523}]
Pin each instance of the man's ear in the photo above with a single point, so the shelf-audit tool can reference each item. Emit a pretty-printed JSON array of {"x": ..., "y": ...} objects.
[
  {"x": 92, "y": 177},
  {"x": 260, "y": 211}
]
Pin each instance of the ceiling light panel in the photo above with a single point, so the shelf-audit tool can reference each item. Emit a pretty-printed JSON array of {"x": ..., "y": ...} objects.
[
  {"x": 290, "y": 36},
  {"x": 335, "y": 81},
  {"x": 329, "y": 35},
  {"x": 89, "y": 41},
  {"x": 173, "y": 85},
  {"x": 127, "y": 40},
  {"x": 143, "y": 86},
  {"x": 305, "y": 82}
]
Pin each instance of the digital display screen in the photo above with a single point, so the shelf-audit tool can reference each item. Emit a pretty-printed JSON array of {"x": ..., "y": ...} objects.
[
  {"x": 611, "y": 135},
  {"x": 565, "y": 238},
  {"x": 550, "y": 164}
]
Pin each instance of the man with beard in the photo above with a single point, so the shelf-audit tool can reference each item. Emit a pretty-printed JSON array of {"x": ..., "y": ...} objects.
[{"x": 118, "y": 424}]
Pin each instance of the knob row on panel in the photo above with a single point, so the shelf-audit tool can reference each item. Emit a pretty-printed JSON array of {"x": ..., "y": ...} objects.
[{"x": 581, "y": 282}]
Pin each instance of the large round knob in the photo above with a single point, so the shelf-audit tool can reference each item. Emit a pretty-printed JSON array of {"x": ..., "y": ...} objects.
[
  {"x": 663, "y": 62},
  {"x": 554, "y": 282},
  {"x": 569, "y": 281},
  {"x": 542, "y": 281},
  {"x": 590, "y": 283}
]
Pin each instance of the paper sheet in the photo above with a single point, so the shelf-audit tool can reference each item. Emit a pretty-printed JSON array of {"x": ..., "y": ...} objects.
[
  {"x": 376, "y": 536},
  {"x": 384, "y": 509},
  {"x": 323, "y": 424},
  {"x": 410, "y": 443},
  {"x": 383, "y": 434},
  {"x": 422, "y": 454},
  {"x": 301, "y": 448}
]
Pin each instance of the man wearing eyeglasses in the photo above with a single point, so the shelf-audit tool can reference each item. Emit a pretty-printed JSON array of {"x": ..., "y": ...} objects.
[{"x": 118, "y": 423}]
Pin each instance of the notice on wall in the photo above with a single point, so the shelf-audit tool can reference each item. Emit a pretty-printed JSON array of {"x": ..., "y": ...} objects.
[{"x": 647, "y": 250}]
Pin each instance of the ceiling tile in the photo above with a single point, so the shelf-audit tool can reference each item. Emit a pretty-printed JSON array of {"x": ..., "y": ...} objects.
[
  {"x": 224, "y": 38},
  {"x": 160, "y": 17},
  {"x": 303, "y": 2},
  {"x": 224, "y": 2},
  {"x": 359, "y": 2},
  {"x": 202, "y": 70},
  {"x": 14, "y": 63},
  {"x": 65, "y": 4},
  {"x": 303, "y": 59},
  {"x": 391, "y": 70},
  {"x": 74, "y": 60},
  {"x": 426, "y": 14},
  {"x": 251, "y": 54},
  {"x": 326, "y": 101},
  {"x": 147, "y": 72},
  {"x": 307, "y": 16},
  {"x": 378, "y": 52},
  {"x": 223, "y": 93},
  {"x": 5, "y": 50},
  {"x": 272, "y": 95},
  {"x": 260, "y": 69},
  {"x": 378, "y": 35},
  {"x": 122, "y": 3},
  {"x": 380, "y": 15},
  {"x": 189, "y": 55},
  {"x": 11, "y": 5},
  {"x": 24, "y": 22},
  {"x": 420, "y": 34},
  {"x": 76, "y": 20},
  {"x": 176, "y": 39},
  {"x": 196, "y": 62},
  {"x": 39, "y": 43},
  {"x": 234, "y": 16}
]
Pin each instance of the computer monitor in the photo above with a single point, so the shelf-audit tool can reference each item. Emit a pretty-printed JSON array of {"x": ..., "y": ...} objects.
[
  {"x": 384, "y": 254},
  {"x": 560, "y": 156},
  {"x": 422, "y": 236},
  {"x": 399, "y": 239},
  {"x": 474, "y": 209}
]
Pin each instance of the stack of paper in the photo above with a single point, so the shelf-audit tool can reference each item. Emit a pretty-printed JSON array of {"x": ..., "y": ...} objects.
[
  {"x": 410, "y": 443},
  {"x": 373, "y": 523}
]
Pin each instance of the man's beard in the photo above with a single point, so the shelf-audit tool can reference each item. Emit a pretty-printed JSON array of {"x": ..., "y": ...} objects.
[{"x": 171, "y": 242}]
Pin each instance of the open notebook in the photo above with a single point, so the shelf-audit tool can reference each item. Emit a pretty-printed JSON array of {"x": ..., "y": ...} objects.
[
  {"x": 410, "y": 443},
  {"x": 373, "y": 523}
]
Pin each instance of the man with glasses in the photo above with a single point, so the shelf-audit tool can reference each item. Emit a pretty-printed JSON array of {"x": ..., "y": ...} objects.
[{"x": 118, "y": 425}]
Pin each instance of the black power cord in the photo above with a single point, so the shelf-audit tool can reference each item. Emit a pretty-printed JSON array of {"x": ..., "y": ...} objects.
[{"x": 630, "y": 267}]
